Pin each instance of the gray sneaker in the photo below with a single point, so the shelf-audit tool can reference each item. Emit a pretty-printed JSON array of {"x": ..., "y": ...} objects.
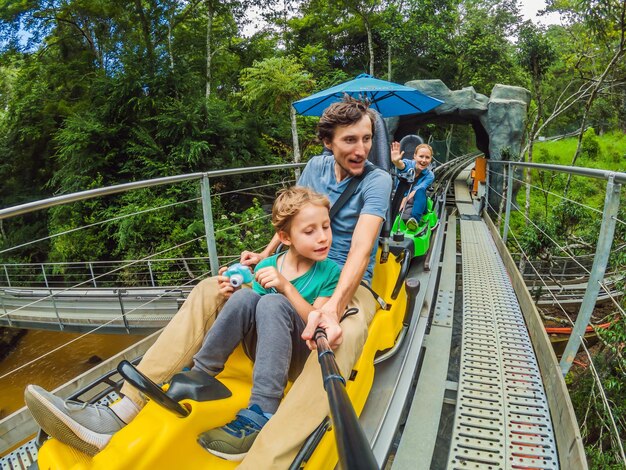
[{"x": 85, "y": 427}]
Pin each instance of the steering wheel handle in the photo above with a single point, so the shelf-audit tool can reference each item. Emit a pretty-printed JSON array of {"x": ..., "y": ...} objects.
[{"x": 150, "y": 389}]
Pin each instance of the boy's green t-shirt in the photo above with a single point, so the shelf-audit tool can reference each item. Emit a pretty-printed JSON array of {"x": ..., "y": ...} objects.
[{"x": 319, "y": 281}]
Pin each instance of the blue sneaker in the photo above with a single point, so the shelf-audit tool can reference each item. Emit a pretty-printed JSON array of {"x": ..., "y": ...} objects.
[{"x": 233, "y": 440}]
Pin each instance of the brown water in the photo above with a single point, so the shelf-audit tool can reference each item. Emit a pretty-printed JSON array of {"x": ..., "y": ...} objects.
[{"x": 56, "y": 368}]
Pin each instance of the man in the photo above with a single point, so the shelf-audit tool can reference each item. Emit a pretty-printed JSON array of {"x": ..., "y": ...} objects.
[
  {"x": 424, "y": 177},
  {"x": 346, "y": 129}
]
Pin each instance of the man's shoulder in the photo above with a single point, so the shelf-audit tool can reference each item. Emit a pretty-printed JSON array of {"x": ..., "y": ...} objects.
[
  {"x": 377, "y": 174},
  {"x": 320, "y": 160}
]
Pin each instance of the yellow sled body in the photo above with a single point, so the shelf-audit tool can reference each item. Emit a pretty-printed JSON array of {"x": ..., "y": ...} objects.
[{"x": 158, "y": 439}]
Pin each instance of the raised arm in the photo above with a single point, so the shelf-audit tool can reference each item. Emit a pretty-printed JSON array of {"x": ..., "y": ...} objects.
[{"x": 396, "y": 156}]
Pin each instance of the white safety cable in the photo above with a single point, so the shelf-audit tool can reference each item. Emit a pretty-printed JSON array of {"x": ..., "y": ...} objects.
[
  {"x": 167, "y": 291},
  {"x": 619, "y": 221},
  {"x": 541, "y": 278},
  {"x": 569, "y": 255},
  {"x": 602, "y": 285},
  {"x": 96, "y": 329},
  {"x": 605, "y": 401},
  {"x": 613, "y": 299},
  {"x": 100, "y": 276},
  {"x": 82, "y": 227},
  {"x": 131, "y": 263},
  {"x": 124, "y": 216},
  {"x": 582, "y": 342}
]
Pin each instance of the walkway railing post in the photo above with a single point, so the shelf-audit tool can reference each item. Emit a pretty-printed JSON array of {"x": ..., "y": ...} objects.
[
  {"x": 45, "y": 278},
  {"x": 6, "y": 314},
  {"x": 54, "y": 303},
  {"x": 124, "y": 319},
  {"x": 208, "y": 224},
  {"x": 93, "y": 277},
  {"x": 6, "y": 272},
  {"x": 151, "y": 274},
  {"x": 600, "y": 261},
  {"x": 509, "y": 196}
]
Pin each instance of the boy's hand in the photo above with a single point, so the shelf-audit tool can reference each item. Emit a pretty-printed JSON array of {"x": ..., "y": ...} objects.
[
  {"x": 223, "y": 283},
  {"x": 396, "y": 155},
  {"x": 270, "y": 277}
]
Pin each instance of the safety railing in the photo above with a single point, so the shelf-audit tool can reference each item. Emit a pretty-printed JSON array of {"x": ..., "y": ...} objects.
[
  {"x": 540, "y": 231},
  {"x": 165, "y": 279},
  {"x": 603, "y": 246}
]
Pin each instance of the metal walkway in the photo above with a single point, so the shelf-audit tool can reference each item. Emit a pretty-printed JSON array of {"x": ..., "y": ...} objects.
[
  {"x": 502, "y": 417},
  {"x": 497, "y": 413},
  {"x": 129, "y": 310}
]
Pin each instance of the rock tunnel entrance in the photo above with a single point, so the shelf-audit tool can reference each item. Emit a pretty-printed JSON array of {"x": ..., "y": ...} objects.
[{"x": 498, "y": 121}]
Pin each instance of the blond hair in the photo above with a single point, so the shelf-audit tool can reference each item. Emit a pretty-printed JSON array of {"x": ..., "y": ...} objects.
[
  {"x": 290, "y": 201},
  {"x": 424, "y": 146}
]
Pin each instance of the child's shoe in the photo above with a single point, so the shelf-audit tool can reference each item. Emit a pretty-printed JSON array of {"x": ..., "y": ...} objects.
[
  {"x": 412, "y": 224},
  {"x": 233, "y": 440}
]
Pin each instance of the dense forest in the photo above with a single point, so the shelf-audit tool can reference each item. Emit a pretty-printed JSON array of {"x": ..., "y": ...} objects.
[{"x": 101, "y": 92}]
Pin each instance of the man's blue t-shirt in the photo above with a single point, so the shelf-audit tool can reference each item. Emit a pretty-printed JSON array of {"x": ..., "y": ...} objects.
[{"x": 371, "y": 197}]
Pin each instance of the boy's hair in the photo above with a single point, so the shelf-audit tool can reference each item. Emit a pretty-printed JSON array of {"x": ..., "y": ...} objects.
[
  {"x": 289, "y": 202},
  {"x": 424, "y": 146},
  {"x": 347, "y": 112}
]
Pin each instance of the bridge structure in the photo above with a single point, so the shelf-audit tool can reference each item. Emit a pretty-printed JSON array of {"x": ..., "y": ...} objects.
[{"x": 475, "y": 382}]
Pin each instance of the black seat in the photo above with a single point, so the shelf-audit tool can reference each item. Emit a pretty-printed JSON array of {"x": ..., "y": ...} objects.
[
  {"x": 197, "y": 386},
  {"x": 408, "y": 143}
]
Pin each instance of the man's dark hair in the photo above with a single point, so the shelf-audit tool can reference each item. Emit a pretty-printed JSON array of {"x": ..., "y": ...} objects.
[{"x": 347, "y": 112}]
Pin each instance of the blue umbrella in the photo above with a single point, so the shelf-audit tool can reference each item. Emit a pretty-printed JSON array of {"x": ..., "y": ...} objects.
[{"x": 388, "y": 98}]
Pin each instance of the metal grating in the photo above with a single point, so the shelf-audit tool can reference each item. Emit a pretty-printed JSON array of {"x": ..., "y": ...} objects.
[{"x": 502, "y": 418}]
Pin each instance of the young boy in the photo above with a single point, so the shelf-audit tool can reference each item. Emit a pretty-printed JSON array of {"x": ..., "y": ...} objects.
[
  {"x": 424, "y": 177},
  {"x": 287, "y": 287}
]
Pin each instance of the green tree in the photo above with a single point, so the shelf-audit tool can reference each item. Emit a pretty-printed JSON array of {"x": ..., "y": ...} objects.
[
  {"x": 536, "y": 55},
  {"x": 606, "y": 21},
  {"x": 272, "y": 85}
]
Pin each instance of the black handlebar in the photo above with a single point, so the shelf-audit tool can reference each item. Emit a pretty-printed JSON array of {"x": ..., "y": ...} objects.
[{"x": 353, "y": 447}]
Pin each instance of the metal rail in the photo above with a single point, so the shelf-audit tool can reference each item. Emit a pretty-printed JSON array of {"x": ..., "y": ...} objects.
[
  {"x": 122, "y": 188},
  {"x": 603, "y": 247},
  {"x": 619, "y": 177}
]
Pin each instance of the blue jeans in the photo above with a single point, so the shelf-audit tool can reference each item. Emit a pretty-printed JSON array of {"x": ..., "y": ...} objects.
[
  {"x": 279, "y": 354},
  {"x": 417, "y": 205}
]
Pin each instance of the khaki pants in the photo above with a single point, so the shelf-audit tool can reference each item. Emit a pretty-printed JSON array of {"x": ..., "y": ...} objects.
[{"x": 306, "y": 404}]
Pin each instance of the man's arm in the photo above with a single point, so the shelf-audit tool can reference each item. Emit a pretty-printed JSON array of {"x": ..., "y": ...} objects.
[
  {"x": 249, "y": 258},
  {"x": 365, "y": 235}
]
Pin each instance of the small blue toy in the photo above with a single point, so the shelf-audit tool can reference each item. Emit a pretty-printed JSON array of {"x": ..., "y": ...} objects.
[{"x": 238, "y": 274}]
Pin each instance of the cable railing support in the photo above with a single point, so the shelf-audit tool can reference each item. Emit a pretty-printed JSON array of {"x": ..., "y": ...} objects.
[
  {"x": 509, "y": 196},
  {"x": 151, "y": 274},
  {"x": 6, "y": 273},
  {"x": 600, "y": 261},
  {"x": 209, "y": 229},
  {"x": 93, "y": 277}
]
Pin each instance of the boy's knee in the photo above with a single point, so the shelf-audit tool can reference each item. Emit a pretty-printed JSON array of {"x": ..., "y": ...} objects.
[{"x": 272, "y": 303}]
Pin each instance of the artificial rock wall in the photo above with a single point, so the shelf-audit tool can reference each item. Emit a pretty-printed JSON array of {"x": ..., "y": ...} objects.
[{"x": 497, "y": 120}]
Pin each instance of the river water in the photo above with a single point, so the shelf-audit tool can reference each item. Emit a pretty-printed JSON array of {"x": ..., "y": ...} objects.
[{"x": 56, "y": 368}]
